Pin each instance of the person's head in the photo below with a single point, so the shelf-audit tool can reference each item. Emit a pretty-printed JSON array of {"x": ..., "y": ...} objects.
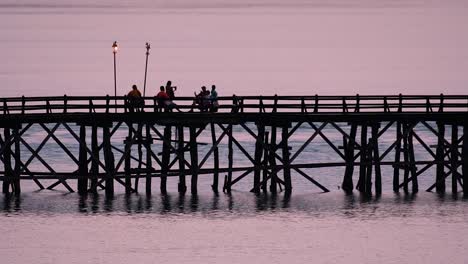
[
  {"x": 169, "y": 83},
  {"x": 161, "y": 88},
  {"x": 134, "y": 87},
  {"x": 213, "y": 87},
  {"x": 203, "y": 88}
]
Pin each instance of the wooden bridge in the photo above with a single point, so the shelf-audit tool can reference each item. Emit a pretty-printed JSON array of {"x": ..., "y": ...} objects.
[{"x": 158, "y": 134}]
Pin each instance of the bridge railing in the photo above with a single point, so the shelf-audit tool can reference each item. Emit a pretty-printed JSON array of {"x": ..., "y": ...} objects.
[{"x": 240, "y": 104}]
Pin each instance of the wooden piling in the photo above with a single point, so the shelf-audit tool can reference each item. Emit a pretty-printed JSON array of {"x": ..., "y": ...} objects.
[
  {"x": 182, "y": 186},
  {"x": 272, "y": 160},
  {"x": 258, "y": 157},
  {"x": 230, "y": 159},
  {"x": 7, "y": 161},
  {"x": 376, "y": 158},
  {"x": 362, "y": 167},
  {"x": 194, "y": 159},
  {"x": 406, "y": 158},
  {"x": 396, "y": 166},
  {"x": 109, "y": 162},
  {"x": 165, "y": 158},
  {"x": 83, "y": 163},
  {"x": 465, "y": 159},
  {"x": 347, "y": 184},
  {"x": 265, "y": 161},
  {"x": 17, "y": 157},
  {"x": 215, "y": 184},
  {"x": 128, "y": 161},
  {"x": 286, "y": 164},
  {"x": 454, "y": 159},
  {"x": 94, "y": 162},
  {"x": 412, "y": 161},
  {"x": 149, "y": 158},
  {"x": 440, "y": 177}
]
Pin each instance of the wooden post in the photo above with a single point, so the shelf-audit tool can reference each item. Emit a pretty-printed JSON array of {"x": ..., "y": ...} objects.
[
  {"x": 286, "y": 168},
  {"x": 94, "y": 163},
  {"x": 194, "y": 159},
  {"x": 166, "y": 155},
  {"x": 7, "y": 161},
  {"x": 347, "y": 184},
  {"x": 230, "y": 159},
  {"x": 368, "y": 159},
  {"x": 258, "y": 157},
  {"x": 216, "y": 160},
  {"x": 412, "y": 161},
  {"x": 182, "y": 187},
  {"x": 396, "y": 166},
  {"x": 109, "y": 162},
  {"x": 265, "y": 162},
  {"x": 149, "y": 158},
  {"x": 128, "y": 161},
  {"x": 17, "y": 157},
  {"x": 465, "y": 159},
  {"x": 272, "y": 159},
  {"x": 376, "y": 158},
  {"x": 454, "y": 159},
  {"x": 83, "y": 163},
  {"x": 440, "y": 177},
  {"x": 405, "y": 157},
  {"x": 362, "y": 167}
]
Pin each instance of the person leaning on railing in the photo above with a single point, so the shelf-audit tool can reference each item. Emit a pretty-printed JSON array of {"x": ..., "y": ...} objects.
[
  {"x": 163, "y": 99},
  {"x": 135, "y": 101}
]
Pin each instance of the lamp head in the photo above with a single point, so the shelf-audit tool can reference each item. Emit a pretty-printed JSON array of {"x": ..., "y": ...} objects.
[
  {"x": 115, "y": 47},
  {"x": 148, "y": 47}
]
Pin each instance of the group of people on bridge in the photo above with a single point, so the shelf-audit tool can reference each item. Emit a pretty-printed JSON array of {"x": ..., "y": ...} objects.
[{"x": 204, "y": 100}]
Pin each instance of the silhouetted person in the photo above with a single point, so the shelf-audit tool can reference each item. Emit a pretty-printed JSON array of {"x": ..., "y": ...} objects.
[
  {"x": 170, "y": 90},
  {"x": 163, "y": 98},
  {"x": 135, "y": 102},
  {"x": 202, "y": 99},
  {"x": 214, "y": 99}
]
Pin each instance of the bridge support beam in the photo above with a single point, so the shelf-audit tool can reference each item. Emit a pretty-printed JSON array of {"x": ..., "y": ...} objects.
[
  {"x": 454, "y": 159},
  {"x": 17, "y": 157},
  {"x": 149, "y": 164},
  {"x": 272, "y": 160},
  {"x": 465, "y": 159},
  {"x": 376, "y": 158},
  {"x": 7, "y": 161},
  {"x": 440, "y": 177},
  {"x": 182, "y": 186},
  {"x": 94, "y": 161},
  {"x": 109, "y": 162},
  {"x": 193, "y": 159},
  {"x": 347, "y": 184},
  {"x": 396, "y": 166},
  {"x": 166, "y": 155},
  {"x": 127, "y": 162},
  {"x": 258, "y": 157},
  {"x": 83, "y": 163},
  {"x": 286, "y": 163},
  {"x": 266, "y": 154},
  {"x": 361, "y": 185}
]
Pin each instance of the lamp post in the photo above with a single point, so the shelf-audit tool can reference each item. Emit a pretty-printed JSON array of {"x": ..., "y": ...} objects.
[
  {"x": 115, "y": 47},
  {"x": 148, "y": 47}
]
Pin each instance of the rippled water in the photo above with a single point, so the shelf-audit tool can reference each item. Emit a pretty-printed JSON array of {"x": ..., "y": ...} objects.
[{"x": 51, "y": 47}]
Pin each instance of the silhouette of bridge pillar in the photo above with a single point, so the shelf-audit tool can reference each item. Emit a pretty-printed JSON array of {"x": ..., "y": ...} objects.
[
  {"x": 83, "y": 163},
  {"x": 440, "y": 177},
  {"x": 465, "y": 159}
]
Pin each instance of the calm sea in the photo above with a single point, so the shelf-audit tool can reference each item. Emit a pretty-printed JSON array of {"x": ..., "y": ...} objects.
[{"x": 245, "y": 47}]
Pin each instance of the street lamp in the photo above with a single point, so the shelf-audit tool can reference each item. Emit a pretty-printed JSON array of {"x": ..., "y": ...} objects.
[
  {"x": 148, "y": 47},
  {"x": 115, "y": 48}
]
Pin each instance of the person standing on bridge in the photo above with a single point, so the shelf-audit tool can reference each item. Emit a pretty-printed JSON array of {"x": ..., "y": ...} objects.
[
  {"x": 163, "y": 99},
  {"x": 170, "y": 90},
  {"x": 135, "y": 101},
  {"x": 214, "y": 99}
]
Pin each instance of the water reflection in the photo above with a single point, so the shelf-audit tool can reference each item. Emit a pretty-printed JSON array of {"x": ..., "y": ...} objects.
[{"x": 238, "y": 204}]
